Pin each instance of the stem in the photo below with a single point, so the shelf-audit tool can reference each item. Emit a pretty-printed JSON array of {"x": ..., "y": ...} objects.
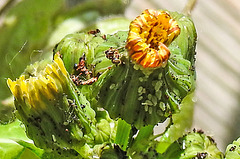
[{"x": 189, "y": 7}]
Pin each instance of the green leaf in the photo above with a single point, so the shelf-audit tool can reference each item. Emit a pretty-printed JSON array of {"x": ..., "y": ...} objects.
[
  {"x": 144, "y": 145},
  {"x": 15, "y": 144},
  {"x": 123, "y": 134},
  {"x": 143, "y": 136}
]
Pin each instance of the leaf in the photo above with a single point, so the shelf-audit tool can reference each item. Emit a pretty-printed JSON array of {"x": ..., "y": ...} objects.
[
  {"x": 141, "y": 142},
  {"x": 15, "y": 144},
  {"x": 144, "y": 145},
  {"x": 123, "y": 134}
]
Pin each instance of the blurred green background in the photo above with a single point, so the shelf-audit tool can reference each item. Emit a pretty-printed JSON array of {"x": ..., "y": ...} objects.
[{"x": 29, "y": 30}]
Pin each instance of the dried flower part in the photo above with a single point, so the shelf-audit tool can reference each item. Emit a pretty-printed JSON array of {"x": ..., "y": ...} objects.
[{"x": 149, "y": 37}]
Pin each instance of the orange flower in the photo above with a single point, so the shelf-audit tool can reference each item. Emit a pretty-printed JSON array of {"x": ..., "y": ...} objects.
[{"x": 149, "y": 36}]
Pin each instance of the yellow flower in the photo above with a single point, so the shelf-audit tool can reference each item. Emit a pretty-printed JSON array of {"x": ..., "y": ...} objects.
[
  {"x": 46, "y": 85},
  {"x": 51, "y": 107},
  {"x": 149, "y": 36}
]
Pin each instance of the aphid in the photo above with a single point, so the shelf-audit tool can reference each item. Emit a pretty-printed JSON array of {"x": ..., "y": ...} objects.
[
  {"x": 94, "y": 32},
  {"x": 81, "y": 66},
  {"x": 211, "y": 139},
  {"x": 113, "y": 55},
  {"x": 232, "y": 148},
  {"x": 149, "y": 36},
  {"x": 200, "y": 131},
  {"x": 89, "y": 81},
  {"x": 202, "y": 155},
  {"x": 84, "y": 76},
  {"x": 75, "y": 79},
  {"x": 104, "y": 37}
]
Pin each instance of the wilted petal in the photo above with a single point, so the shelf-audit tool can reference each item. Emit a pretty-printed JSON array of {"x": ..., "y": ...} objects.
[{"x": 148, "y": 38}]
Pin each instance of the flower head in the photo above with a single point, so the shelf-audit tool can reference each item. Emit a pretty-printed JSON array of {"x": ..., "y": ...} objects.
[
  {"x": 44, "y": 84},
  {"x": 54, "y": 112},
  {"x": 149, "y": 37}
]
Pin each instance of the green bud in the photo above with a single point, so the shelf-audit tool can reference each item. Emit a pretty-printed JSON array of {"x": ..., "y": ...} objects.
[
  {"x": 103, "y": 131},
  {"x": 233, "y": 150},
  {"x": 193, "y": 145},
  {"x": 85, "y": 60},
  {"x": 186, "y": 40},
  {"x": 74, "y": 46}
]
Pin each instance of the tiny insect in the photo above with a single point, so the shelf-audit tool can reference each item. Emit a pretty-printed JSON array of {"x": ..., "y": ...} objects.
[
  {"x": 84, "y": 75},
  {"x": 104, "y": 37},
  {"x": 232, "y": 148},
  {"x": 94, "y": 32},
  {"x": 89, "y": 81},
  {"x": 202, "y": 155},
  {"x": 113, "y": 55}
]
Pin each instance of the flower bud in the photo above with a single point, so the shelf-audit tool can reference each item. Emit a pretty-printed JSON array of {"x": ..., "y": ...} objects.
[
  {"x": 233, "y": 150},
  {"x": 55, "y": 113},
  {"x": 74, "y": 46},
  {"x": 156, "y": 70},
  {"x": 193, "y": 145}
]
